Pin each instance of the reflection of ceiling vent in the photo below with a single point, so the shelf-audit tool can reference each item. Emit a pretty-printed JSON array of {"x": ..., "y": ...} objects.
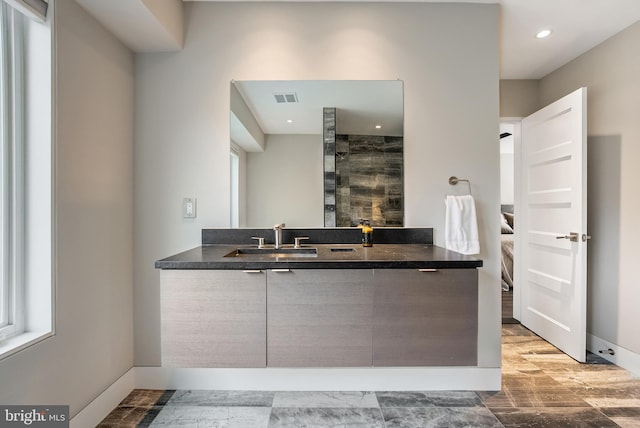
[{"x": 290, "y": 97}]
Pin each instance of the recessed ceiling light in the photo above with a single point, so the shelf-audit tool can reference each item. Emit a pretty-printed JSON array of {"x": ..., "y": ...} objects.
[
  {"x": 378, "y": 126},
  {"x": 289, "y": 120},
  {"x": 543, "y": 34}
]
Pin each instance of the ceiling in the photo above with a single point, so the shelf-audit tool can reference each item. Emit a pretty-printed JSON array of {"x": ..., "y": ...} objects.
[
  {"x": 361, "y": 105},
  {"x": 577, "y": 25}
]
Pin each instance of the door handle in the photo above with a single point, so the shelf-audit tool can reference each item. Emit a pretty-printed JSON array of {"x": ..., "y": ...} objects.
[{"x": 573, "y": 237}]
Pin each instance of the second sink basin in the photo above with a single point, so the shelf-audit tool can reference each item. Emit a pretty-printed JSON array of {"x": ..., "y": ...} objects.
[{"x": 273, "y": 253}]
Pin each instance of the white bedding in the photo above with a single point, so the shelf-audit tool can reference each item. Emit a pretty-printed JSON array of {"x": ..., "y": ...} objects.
[{"x": 506, "y": 244}]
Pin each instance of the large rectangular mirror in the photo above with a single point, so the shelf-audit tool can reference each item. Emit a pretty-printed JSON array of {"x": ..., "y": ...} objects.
[{"x": 316, "y": 153}]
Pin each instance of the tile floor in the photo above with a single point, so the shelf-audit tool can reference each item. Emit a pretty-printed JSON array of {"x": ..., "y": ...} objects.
[{"x": 541, "y": 388}]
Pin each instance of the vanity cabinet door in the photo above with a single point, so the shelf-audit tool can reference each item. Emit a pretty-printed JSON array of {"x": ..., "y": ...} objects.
[
  {"x": 319, "y": 318},
  {"x": 213, "y": 318},
  {"x": 425, "y": 318}
]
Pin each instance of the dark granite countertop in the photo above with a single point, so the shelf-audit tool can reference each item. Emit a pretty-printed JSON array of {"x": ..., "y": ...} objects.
[{"x": 380, "y": 256}]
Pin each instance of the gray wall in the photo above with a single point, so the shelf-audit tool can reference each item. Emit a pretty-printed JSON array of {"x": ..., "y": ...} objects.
[
  {"x": 446, "y": 54},
  {"x": 611, "y": 72},
  {"x": 93, "y": 134},
  {"x": 284, "y": 183}
]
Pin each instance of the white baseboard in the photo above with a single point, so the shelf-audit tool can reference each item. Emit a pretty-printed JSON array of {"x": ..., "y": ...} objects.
[
  {"x": 286, "y": 379},
  {"x": 329, "y": 379},
  {"x": 99, "y": 408},
  {"x": 622, "y": 357}
]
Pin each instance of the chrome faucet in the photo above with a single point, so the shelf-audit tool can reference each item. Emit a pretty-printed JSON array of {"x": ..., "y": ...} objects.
[{"x": 278, "y": 231}]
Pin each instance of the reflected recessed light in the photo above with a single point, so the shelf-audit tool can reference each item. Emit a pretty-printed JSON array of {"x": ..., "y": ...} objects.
[
  {"x": 378, "y": 126},
  {"x": 289, "y": 120},
  {"x": 542, "y": 34}
]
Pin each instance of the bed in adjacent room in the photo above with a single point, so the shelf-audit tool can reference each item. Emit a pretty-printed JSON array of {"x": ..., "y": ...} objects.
[{"x": 506, "y": 244}]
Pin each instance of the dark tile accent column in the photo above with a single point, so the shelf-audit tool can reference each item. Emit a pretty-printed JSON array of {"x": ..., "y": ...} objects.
[
  {"x": 393, "y": 171},
  {"x": 329, "y": 150}
]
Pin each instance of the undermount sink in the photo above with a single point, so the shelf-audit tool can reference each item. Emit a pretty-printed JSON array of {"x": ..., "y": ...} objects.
[{"x": 284, "y": 253}]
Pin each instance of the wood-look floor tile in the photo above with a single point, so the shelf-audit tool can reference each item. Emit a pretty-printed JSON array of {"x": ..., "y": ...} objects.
[
  {"x": 619, "y": 380},
  {"x": 518, "y": 365},
  {"x": 143, "y": 397},
  {"x": 530, "y": 345},
  {"x": 552, "y": 418},
  {"x": 551, "y": 360},
  {"x": 540, "y": 397},
  {"x": 124, "y": 416},
  {"x": 622, "y": 412},
  {"x": 529, "y": 381},
  {"x": 613, "y": 402},
  {"x": 606, "y": 397},
  {"x": 516, "y": 330},
  {"x": 627, "y": 422}
]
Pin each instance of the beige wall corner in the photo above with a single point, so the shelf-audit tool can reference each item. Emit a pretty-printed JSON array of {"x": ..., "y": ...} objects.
[
  {"x": 518, "y": 98},
  {"x": 142, "y": 25},
  {"x": 611, "y": 73}
]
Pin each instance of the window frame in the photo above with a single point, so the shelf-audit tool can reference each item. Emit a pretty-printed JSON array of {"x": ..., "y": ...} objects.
[
  {"x": 12, "y": 166},
  {"x": 234, "y": 167},
  {"x": 27, "y": 242}
]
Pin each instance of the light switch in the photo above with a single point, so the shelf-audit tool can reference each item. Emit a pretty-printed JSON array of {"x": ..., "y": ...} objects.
[{"x": 189, "y": 208}]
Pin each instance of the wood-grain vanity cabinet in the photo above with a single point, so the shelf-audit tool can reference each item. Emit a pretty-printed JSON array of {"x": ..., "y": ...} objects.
[
  {"x": 425, "y": 317},
  {"x": 319, "y": 318},
  {"x": 213, "y": 318}
]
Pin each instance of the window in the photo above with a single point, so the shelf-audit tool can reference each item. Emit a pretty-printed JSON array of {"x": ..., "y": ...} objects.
[
  {"x": 235, "y": 170},
  {"x": 26, "y": 284},
  {"x": 11, "y": 167}
]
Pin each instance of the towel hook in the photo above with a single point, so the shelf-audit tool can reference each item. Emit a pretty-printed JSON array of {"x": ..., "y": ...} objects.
[{"x": 453, "y": 180}]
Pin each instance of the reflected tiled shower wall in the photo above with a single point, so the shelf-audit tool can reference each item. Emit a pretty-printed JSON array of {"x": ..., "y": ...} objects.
[
  {"x": 368, "y": 180},
  {"x": 329, "y": 168},
  {"x": 363, "y": 177}
]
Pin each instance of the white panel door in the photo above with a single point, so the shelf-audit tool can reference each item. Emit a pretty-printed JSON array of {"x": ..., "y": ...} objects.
[{"x": 552, "y": 224}]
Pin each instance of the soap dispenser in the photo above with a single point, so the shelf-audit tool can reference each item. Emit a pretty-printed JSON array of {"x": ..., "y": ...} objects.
[{"x": 367, "y": 234}]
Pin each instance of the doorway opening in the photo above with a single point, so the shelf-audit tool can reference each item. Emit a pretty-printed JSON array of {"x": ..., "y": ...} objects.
[{"x": 507, "y": 196}]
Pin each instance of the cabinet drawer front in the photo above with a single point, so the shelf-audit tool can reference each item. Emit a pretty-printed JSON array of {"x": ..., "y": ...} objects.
[
  {"x": 319, "y": 318},
  {"x": 427, "y": 318},
  {"x": 213, "y": 318}
]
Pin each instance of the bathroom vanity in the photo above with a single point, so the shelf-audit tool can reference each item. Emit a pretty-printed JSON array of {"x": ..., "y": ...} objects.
[{"x": 329, "y": 303}]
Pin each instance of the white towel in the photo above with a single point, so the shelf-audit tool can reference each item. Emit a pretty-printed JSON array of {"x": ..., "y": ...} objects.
[{"x": 461, "y": 225}]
